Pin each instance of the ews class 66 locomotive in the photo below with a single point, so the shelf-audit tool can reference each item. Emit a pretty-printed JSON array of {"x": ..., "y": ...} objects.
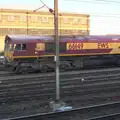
[{"x": 24, "y": 52}]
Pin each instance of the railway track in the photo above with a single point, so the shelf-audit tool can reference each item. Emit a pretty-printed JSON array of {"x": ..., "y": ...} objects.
[
  {"x": 11, "y": 89},
  {"x": 2, "y": 68},
  {"x": 5, "y": 73},
  {"x": 15, "y": 89},
  {"x": 84, "y": 86},
  {"x": 96, "y": 112},
  {"x": 79, "y": 73},
  {"x": 115, "y": 116},
  {"x": 105, "y": 90}
]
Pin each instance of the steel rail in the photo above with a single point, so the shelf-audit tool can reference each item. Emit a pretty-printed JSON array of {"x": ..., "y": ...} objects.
[
  {"x": 104, "y": 95},
  {"x": 76, "y": 91},
  {"x": 80, "y": 112},
  {"x": 80, "y": 73},
  {"x": 106, "y": 117},
  {"x": 8, "y": 79},
  {"x": 22, "y": 94},
  {"x": 77, "y": 82}
]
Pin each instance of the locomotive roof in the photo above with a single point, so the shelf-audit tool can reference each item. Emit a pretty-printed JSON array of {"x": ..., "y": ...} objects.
[
  {"x": 26, "y": 38},
  {"x": 31, "y": 38}
]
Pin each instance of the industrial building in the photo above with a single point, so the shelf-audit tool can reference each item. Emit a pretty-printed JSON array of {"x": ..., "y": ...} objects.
[{"x": 40, "y": 23}]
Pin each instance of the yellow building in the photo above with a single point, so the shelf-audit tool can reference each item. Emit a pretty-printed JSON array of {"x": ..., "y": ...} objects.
[{"x": 40, "y": 23}]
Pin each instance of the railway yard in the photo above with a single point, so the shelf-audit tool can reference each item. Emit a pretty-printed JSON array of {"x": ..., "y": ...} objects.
[
  {"x": 60, "y": 61},
  {"x": 92, "y": 93}
]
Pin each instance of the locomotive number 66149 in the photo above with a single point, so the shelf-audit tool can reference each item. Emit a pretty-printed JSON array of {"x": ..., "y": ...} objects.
[{"x": 74, "y": 46}]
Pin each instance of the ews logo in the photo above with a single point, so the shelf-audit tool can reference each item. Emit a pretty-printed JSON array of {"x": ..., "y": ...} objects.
[{"x": 103, "y": 45}]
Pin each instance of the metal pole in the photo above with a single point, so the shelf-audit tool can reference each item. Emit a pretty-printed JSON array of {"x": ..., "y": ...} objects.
[{"x": 57, "y": 48}]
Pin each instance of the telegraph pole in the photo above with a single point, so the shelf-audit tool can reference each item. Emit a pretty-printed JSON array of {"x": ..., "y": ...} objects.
[
  {"x": 57, "y": 105},
  {"x": 56, "y": 40}
]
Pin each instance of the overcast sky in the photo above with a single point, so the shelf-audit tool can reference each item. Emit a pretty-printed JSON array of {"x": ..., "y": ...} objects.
[{"x": 105, "y": 14}]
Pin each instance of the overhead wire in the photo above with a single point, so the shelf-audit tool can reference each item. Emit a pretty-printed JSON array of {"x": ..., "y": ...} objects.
[
  {"x": 102, "y": 21},
  {"x": 94, "y": 15},
  {"x": 95, "y": 1},
  {"x": 98, "y": 14},
  {"x": 104, "y": 15},
  {"x": 39, "y": 8},
  {"x": 44, "y": 5},
  {"x": 110, "y": 1},
  {"x": 50, "y": 9}
]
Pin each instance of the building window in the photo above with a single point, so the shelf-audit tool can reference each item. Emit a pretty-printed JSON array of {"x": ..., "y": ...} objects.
[
  {"x": 65, "y": 20},
  {"x": 75, "y": 21},
  {"x": 34, "y": 18},
  {"x": 84, "y": 21},
  {"x": 44, "y": 19},
  {"x": 51, "y": 18},
  {"x": 11, "y": 18},
  {"x": 0, "y": 17},
  {"x": 23, "y": 18}
]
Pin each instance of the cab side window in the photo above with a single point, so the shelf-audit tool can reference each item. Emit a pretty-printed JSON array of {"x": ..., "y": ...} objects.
[
  {"x": 23, "y": 46},
  {"x": 20, "y": 46}
]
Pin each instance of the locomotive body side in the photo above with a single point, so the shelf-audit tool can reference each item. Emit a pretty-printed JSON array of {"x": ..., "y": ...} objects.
[{"x": 38, "y": 52}]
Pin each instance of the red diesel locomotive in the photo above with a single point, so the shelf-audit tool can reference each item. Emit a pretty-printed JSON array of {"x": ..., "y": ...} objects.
[{"x": 25, "y": 52}]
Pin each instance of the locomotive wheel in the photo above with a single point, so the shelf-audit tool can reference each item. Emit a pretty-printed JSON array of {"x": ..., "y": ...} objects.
[
  {"x": 17, "y": 70},
  {"x": 64, "y": 67},
  {"x": 5, "y": 63},
  {"x": 78, "y": 64},
  {"x": 44, "y": 69}
]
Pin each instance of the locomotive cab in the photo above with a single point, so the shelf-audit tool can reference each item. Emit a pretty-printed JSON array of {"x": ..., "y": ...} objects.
[
  {"x": 8, "y": 50},
  {"x": 23, "y": 52}
]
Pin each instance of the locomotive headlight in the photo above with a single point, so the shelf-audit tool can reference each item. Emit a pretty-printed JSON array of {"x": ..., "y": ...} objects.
[{"x": 36, "y": 52}]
